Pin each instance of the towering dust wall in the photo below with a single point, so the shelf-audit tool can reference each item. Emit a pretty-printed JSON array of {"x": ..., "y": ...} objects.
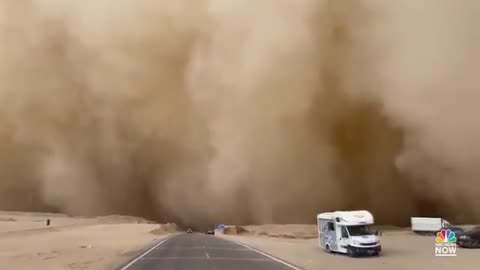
[{"x": 240, "y": 111}]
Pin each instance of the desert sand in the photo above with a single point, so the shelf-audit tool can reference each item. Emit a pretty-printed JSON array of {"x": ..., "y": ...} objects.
[
  {"x": 73, "y": 243},
  {"x": 102, "y": 243},
  {"x": 401, "y": 250}
]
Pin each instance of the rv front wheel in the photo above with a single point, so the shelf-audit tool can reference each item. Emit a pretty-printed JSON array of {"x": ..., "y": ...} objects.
[
  {"x": 328, "y": 249},
  {"x": 350, "y": 252}
]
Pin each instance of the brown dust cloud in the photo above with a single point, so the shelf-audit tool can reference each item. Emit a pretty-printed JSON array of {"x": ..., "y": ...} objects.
[{"x": 254, "y": 111}]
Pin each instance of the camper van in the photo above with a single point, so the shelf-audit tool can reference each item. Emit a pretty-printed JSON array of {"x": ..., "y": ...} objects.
[{"x": 348, "y": 232}]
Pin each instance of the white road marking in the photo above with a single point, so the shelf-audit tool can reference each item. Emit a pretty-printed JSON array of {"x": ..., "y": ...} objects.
[
  {"x": 266, "y": 255},
  {"x": 206, "y": 254},
  {"x": 146, "y": 252}
]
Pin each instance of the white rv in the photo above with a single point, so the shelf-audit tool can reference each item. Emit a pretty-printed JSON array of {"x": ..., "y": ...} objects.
[{"x": 348, "y": 232}]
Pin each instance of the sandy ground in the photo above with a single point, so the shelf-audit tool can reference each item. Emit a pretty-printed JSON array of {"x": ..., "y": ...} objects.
[
  {"x": 26, "y": 242},
  {"x": 401, "y": 250},
  {"x": 107, "y": 242}
]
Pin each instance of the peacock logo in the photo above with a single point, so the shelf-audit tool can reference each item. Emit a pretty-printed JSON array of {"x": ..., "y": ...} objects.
[{"x": 446, "y": 236}]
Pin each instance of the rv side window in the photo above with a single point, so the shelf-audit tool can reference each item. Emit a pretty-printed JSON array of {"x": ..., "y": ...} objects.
[
  {"x": 330, "y": 226},
  {"x": 344, "y": 232}
]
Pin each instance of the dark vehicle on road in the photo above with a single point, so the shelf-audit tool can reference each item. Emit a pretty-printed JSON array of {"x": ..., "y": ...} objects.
[
  {"x": 457, "y": 230},
  {"x": 470, "y": 239},
  {"x": 212, "y": 232}
]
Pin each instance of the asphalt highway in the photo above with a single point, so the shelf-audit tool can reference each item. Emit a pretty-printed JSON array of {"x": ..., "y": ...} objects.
[{"x": 196, "y": 251}]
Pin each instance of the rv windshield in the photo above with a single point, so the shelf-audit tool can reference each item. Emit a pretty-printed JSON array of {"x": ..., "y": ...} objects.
[{"x": 360, "y": 230}]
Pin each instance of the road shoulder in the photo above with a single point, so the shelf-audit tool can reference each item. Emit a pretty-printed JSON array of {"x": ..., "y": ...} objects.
[{"x": 134, "y": 255}]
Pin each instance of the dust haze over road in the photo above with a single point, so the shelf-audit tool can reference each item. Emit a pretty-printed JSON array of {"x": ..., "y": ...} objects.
[{"x": 240, "y": 111}]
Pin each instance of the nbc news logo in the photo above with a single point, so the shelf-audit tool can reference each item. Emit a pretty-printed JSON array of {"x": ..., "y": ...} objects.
[{"x": 445, "y": 243}]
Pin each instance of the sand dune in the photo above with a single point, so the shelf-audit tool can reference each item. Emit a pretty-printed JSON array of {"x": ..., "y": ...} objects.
[
  {"x": 298, "y": 231},
  {"x": 74, "y": 243}
]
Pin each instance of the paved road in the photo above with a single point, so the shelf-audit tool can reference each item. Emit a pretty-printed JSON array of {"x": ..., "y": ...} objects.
[{"x": 197, "y": 251}]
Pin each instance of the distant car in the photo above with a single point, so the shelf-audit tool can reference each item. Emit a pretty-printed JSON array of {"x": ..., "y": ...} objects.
[
  {"x": 189, "y": 230},
  {"x": 470, "y": 239},
  {"x": 211, "y": 232}
]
